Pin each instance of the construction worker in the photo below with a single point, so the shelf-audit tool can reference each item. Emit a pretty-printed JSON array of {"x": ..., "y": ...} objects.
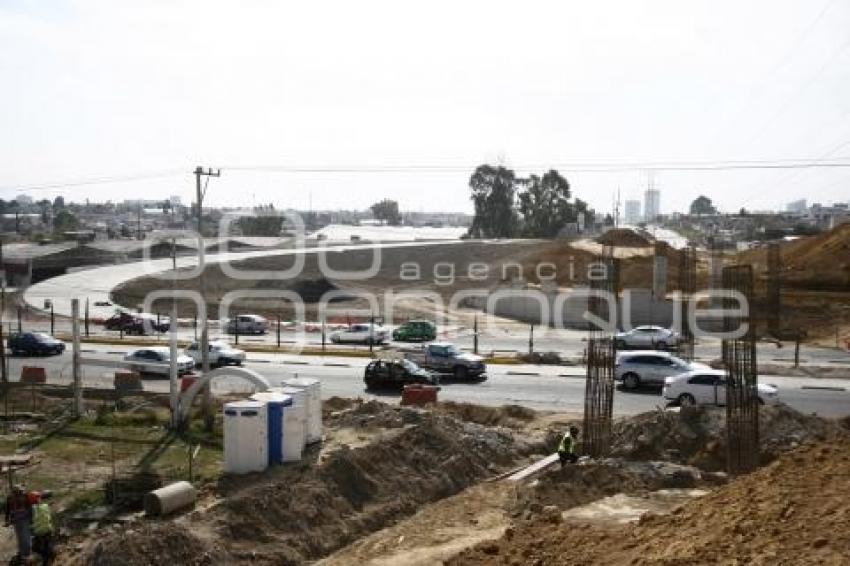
[
  {"x": 19, "y": 515},
  {"x": 42, "y": 528},
  {"x": 567, "y": 447}
]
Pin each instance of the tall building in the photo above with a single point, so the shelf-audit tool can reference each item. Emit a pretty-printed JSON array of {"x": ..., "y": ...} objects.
[
  {"x": 796, "y": 207},
  {"x": 632, "y": 211},
  {"x": 651, "y": 204}
]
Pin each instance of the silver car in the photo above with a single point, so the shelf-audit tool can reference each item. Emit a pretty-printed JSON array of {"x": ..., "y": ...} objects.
[
  {"x": 650, "y": 367},
  {"x": 656, "y": 337},
  {"x": 158, "y": 360},
  {"x": 247, "y": 324}
]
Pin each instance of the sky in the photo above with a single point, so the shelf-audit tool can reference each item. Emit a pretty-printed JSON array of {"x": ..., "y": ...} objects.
[{"x": 340, "y": 104}]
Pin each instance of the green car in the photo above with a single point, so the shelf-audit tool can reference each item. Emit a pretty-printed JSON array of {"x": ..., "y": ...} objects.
[{"x": 415, "y": 331}]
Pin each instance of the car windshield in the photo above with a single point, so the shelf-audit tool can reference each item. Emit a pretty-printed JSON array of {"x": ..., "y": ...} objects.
[
  {"x": 410, "y": 366},
  {"x": 453, "y": 351},
  {"x": 41, "y": 337}
]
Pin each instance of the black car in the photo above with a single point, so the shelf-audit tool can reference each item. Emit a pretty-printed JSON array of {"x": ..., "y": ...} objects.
[
  {"x": 35, "y": 344},
  {"x": 396, "y": 374}
]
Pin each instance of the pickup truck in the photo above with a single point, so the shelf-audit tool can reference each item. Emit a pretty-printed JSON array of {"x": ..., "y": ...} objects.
[{"x": 449, "y": 359}]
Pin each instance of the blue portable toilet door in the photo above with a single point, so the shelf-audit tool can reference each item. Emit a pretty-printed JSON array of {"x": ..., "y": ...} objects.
[{"x": 275, "y": 433}]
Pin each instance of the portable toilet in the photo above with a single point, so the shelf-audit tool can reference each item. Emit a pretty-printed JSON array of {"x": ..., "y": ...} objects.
[
  {"x": 295, "y": 419},
  {"x": 276, "y": 404},
  {"x": 246, "y": 447},
  {"x": 313, "y": 405}
]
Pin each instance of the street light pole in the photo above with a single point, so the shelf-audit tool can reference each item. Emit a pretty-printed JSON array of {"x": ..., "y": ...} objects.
[{"x": 205, "y": 354}]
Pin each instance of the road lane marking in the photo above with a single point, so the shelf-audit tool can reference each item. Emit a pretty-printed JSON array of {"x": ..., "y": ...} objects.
[
  {"x": 823, "y": 388},
  {"x": 530, "y": 373}
]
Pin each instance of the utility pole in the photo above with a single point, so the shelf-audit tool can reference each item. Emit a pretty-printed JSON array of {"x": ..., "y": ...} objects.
[
  {"x": 139, "y": 222},
  {"x": 75, "y": 359},
  {"x": 200, "y": 192}
]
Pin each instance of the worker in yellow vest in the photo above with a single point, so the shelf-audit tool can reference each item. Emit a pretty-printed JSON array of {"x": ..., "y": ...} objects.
[
  {"x": 567, "y": 447},
  {"x": 42, "y": 528}
]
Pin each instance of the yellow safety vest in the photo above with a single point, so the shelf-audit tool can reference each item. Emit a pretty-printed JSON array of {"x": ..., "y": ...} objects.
[
  {"x": 42, "y": 521},
  {"x": 567, "y": 445}
]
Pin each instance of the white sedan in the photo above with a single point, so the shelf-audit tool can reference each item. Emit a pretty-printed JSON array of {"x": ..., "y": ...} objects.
[
  {"x": 158, "y": 360},
  {"x": 655, "y": 337},
  {"x": 708, "y": 387},
  {"x": 220, "y": 354},
  {"x": 361, "y": 334}
]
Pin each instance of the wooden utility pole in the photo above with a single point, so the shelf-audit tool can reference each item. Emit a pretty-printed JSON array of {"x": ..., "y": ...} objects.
[{"x": 200, "y": 192}]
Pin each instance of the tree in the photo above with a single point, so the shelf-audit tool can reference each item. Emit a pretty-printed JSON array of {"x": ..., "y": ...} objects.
[
  {"x": 386, "y": 211},
  {"x": 493, "y": 194},
  {"x": 263, "y": 225},
  {"x": 166, "y": 206},
  {"x": 44, "y": 210},
  {"x": 65, "y": 221},
  {"x": 702, "y": 205},
  {"x": 545, "y": 205}
]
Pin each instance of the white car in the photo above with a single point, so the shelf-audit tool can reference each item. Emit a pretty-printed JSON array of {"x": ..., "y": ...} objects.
[
  {"x": 220, "y": 354},
  {"x": 157, "y": 360},
  {"x": 248, "y": 324},
  {"x": 650, "y": 367},
  {"x": 708, "y": 387},
  {"x": 656, "y": 337},
  {"x": 361, "y": 334}
]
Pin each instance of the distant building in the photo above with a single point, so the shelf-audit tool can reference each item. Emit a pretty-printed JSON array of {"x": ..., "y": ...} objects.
[
  {"x": 632, "y": 211},
  {"x": 651, "y": 204},
  {"x": 175, "y": 200},
  {"x": 796, "y": 207}
]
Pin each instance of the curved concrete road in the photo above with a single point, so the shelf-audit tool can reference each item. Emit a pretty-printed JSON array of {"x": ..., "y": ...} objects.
[{"x": 97, "y": 283}]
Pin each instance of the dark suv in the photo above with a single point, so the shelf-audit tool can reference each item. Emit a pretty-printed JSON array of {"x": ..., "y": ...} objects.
[
  {"x": 135, "y": 323},
  {"x": 35, "y": 344},
  {"x": 397, "y": 374}
]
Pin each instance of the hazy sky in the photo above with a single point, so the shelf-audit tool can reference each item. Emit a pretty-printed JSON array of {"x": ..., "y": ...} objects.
[{"x": 95, "y": 89}]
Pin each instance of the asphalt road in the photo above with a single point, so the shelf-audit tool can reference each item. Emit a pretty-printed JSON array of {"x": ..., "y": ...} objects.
[{"x": 553, "y": 388}]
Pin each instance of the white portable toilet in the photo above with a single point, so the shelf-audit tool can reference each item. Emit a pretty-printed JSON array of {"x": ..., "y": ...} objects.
[
  {"x": 286, "y": 436},
  {"x": 313, "y": 405},
  {"x": 246, "y": 445},
  {"x": 296, "y": 416}
]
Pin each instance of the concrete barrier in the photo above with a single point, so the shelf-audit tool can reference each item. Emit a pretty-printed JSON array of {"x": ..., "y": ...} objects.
[{"x": 170, "y": 498}]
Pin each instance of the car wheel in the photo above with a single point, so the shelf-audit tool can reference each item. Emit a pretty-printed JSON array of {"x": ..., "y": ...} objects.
[
  {"x": 631, "y": 381},
  {"x": 687, "y": 400},
  {"x": 621, "y": 344},
  {"x": 335, "y": 339},
  {"x": 661, "y": 345},
  {"x": 460, "y": 372},
  {"x": 761, "y": 401}
]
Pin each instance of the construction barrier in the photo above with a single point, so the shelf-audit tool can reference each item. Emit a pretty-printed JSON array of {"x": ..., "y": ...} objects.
[
  {"x": 128, "y": 381},
  {"x": 33, "y": 375},
  {"x": 418, "y": 394},
  {"x": 186, "y": 382}
]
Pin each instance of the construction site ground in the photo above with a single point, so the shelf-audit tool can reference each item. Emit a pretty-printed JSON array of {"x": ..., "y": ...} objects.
[{"x": 400, "y": 485}]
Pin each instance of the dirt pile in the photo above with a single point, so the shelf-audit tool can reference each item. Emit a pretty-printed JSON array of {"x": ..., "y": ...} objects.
[
  {"x": 793, "y": 511},
  {"x": 696, "y": 436},
  {"x": 588, "y": 481},
  {"x": 624, "y": 237},
  {"x": 299, "y": 513},
  {"x": 513, "y": 416},
  {"x": 157, "y": 543}
]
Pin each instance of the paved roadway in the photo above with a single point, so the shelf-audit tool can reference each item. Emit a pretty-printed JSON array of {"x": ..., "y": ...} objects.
[{"x": 554, "y": 388}]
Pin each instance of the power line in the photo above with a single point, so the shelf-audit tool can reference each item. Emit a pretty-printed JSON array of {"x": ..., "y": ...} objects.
[{"x": 94, "y": 181}]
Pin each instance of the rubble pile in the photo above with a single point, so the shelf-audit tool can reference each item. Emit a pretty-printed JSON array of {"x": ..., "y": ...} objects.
[
  {"x": 696, "y": 435},
  {"x": 794, "y": 510}
]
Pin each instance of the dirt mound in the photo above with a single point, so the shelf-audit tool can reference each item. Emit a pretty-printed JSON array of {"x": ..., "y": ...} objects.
[
  {"x": 624, "y": 237},
  {"x": 372, "y": 414},
  {"x": 580, "y": 484},
  {"x": 514, "y": 416},
  {"x": 696, "y": 436},
  {"x": 795, "y": 510},
  {"x": 158, "y": 543},
  {"x": 295, "y": 514}
]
